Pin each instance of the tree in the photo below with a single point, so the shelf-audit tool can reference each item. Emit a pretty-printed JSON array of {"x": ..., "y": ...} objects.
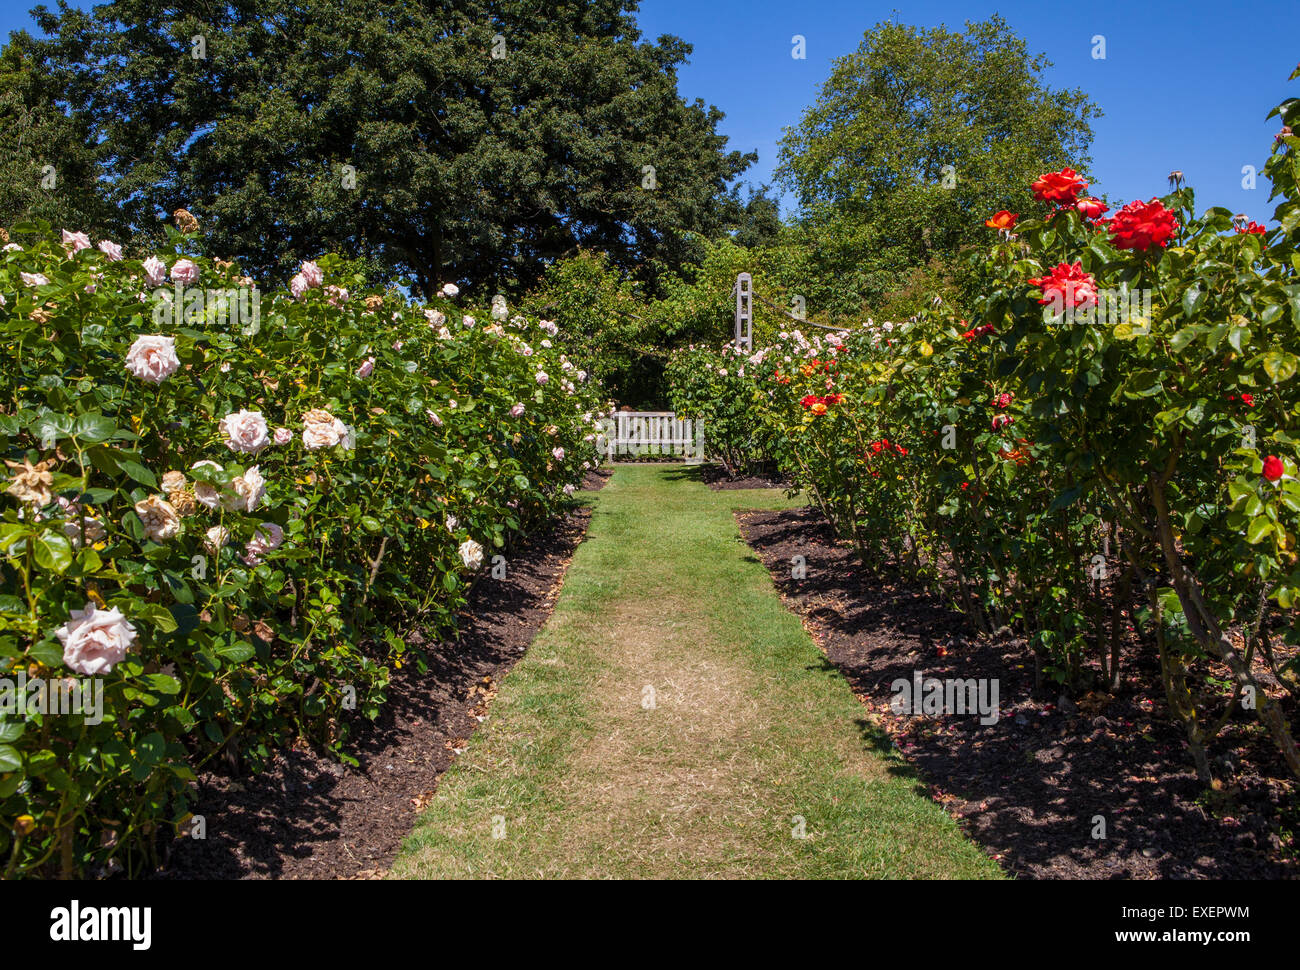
[
  {"x": 445, "y": 139},
  {"x": 48, "y": 165},
  {"x": 917, "y": 137}
]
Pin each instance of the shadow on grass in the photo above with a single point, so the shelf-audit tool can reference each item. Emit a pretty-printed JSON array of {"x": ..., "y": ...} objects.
[{"x": 1033, "y": 784}]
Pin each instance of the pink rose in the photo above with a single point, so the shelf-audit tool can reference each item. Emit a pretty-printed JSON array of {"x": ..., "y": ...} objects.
[
  {"x": 282, "y": 436},
  {"x": 433, "y": 418},
  {"x": 34, "y": 279},
  {"x": 245, "y": 431},
  {"x": 558, "y": 453},
  {"x": 449, "y": 290},
  {"x": 155, "y": 271},
  {"x": 311, "y": 274},
  {"x": 246, "y": 491},
  {"x": 367, "y": 367},
  {"x": 153, "y": 358},
  {"x": 111, "y": 250},
  {"x": 298, "y": 286},
  {"x": 184, "y": 271},
  {"x": 517, "y": 410},
  {"x": 75, "y": 242},
  {"x": 337, "y": 295},
  {"x": 541, "y": 377},
  {"x": 95, "y": 640},
  {"x": 206, "y": 495},
  {"x": 267, "y": 537}
]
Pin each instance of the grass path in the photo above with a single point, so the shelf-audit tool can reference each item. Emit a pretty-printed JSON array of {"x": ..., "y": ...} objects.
[{"x": 672, "y": 719}]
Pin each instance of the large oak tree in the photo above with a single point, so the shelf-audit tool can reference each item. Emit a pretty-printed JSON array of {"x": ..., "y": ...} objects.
[{"x": 486, "y": 138}]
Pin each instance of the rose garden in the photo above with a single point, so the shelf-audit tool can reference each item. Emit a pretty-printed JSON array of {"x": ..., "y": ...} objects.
[{"x": 314, "y": 561}]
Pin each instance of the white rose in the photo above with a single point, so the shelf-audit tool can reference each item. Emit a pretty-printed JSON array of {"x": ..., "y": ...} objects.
[
  {"x": 471, "y": 554},
  {"x": 245, "y": 431},
  {"x": 153, "y": 358},
  {"x": 95, "y": 640}
]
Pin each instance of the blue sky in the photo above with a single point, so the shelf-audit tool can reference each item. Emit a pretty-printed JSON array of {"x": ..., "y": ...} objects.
[{"x": 1183, "y": 85}]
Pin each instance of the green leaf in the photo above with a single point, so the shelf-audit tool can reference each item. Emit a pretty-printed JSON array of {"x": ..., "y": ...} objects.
[
  {"x": 10, "y": 759},
  {"x": 53, "y": 552},
  {"x": 138, "y": 472},
  {"x": 1279, "y": 365}
]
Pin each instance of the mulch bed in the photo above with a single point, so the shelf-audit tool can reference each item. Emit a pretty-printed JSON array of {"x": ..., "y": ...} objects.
[
  {"x": 307, "y": 816},
  {"x": 715, "y": 476},
  {"x": 1028, "y": 787}
]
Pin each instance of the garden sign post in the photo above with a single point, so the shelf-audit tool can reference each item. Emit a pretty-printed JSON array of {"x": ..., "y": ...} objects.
[{"x": 744, "y": 306}]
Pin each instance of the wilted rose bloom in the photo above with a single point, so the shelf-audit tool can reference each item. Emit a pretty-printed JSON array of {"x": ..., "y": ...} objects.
[
  {"x": 433, "y": 418},
  {"x": 367, "y": 367},
  {"x": 95, "y": 640},
  {"x": 517, "y": 410},
  {"x": 184, "y": 271},
  {"x": 320, "y": 429},
  {"x": 155, "y": 271},
  {"x": 247, "y": 491},
  {"x": 206, "y": 495},
  {"x": 111, "y": 250},
  {"x": 452, "y": 522},
  {"x": 282, "y": 436},
  {"x": 32, "y": 483},
  {"x": 75, "y": 242},
  {"x": 558, "y": 453},
  {"x": 34, "y": 279},
  {"x": 298, "y": 286},
  {"x": 215, "y": 538},
  {"x": 311, "y": 274},
  {"x": 185, "y": 221},
  {"x": 569, "y": 490},
  {"x": 337, "y": 295},
  {"x": 161, "y": 521},
  {"x": 471, "y": 554},
  {"x": 444, "y": 334},
  {"x": 245, "y": 431},
  {"x": 267, "y": 537},
  {"x": 153, "y": 358},
  {"x": 435, "y": 317},
  {"x": 173, "y": 481},
  {"x": 449, "y": 290},
  {"x": 541, "y": 377}
]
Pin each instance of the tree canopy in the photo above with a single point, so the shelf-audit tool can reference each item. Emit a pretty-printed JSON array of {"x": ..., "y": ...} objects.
[
  {"x": 463, "y": 140},
  {"x": 919, "y": 135}
]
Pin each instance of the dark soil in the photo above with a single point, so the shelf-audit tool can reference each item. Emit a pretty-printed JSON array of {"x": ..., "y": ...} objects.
[
  {"x": 715, "y": 476},
  {"x": 1030, "y": 786},
  {"x": 310, "y": 817}
]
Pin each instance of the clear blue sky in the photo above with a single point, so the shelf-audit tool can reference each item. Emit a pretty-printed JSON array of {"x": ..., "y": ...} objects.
[{"x": 1183, "y": 86}]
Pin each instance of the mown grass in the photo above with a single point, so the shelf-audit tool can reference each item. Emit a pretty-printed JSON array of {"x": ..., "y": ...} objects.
[{"x": 576, "y": 774}]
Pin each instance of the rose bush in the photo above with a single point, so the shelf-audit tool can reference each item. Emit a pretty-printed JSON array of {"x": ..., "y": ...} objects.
[
  {"x": 229, "y": 506},
  {"x": 1110, "y": 445}
]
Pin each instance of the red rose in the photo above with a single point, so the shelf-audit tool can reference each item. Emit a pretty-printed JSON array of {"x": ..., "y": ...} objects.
[
  {"x": 1002, "y": 220},
  {"x": 1141, "y": 225},
  {"x": 809, "y": 400},
  {"x": 1062, "y": 186},
  {"x": 1091, "y": 208},
  {"x": 1067, "y": 286},
  {"x": 1253, "y": 227},
  {"x": 1273, "y": 468},
  {"x": 1248, "y": 400}
]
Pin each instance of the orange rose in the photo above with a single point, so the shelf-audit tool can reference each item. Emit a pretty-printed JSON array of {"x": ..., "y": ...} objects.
[{"x": 1002, "y": 220}]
